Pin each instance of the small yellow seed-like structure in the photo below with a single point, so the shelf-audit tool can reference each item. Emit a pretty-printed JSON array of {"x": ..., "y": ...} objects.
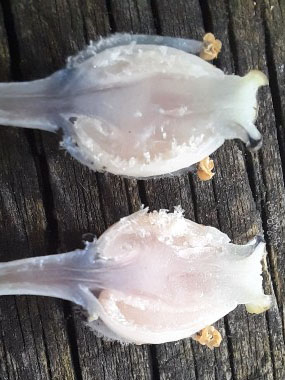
[
  {"x": 209, "y": 337},
  {"x": 205, "y": 168},
  {"x": 212, "y": 47}
]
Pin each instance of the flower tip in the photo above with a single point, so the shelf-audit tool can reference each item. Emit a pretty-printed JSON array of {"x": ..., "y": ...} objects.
[
  {"x": 259, "y": 307},
  {"x": 257, "y": 77}
]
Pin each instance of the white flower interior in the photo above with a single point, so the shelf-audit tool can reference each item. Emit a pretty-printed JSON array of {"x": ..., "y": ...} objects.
[
  {"x": 150, "y": 278},
  {"x": 157, "y": 110}
]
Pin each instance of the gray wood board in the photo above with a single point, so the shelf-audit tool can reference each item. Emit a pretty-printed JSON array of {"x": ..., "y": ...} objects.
[{"x": 48, "y": 200}]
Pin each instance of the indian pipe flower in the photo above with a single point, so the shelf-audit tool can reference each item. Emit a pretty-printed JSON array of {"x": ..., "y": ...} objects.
[
  {"x": 150, "y": 278},
  {"x": 138, "y": 105}
]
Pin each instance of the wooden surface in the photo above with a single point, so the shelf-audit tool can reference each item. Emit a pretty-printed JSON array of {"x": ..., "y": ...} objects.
[{"x": 48, "y": 201}]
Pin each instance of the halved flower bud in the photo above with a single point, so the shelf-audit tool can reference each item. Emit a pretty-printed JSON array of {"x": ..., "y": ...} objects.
[
  {"x": 150, "y": 278},
  {"x": 139, "y": 106}
]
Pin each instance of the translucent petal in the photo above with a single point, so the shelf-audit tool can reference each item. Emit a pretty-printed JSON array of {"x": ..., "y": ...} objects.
[
  {"x": 138, "y": 106},
  {"x": 150, "y": 278}
]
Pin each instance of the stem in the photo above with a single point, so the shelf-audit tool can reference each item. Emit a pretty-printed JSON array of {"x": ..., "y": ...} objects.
[
  {"x": 26, "y": 104},
  {"x": 68, "y": 276}
]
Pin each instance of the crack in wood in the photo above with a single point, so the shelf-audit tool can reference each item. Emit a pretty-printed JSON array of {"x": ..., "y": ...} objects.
[
  {"x": 154, "y": 362},
  {"x": 72, "y": 339},
  {"x": 12, "y": 39},
  {"x": 232, "y": 39},
  {"x": 194, "y": 196},
  {"x": 230, "y": 347},
  {"x": 112, "y": 22},
  {"x": 156, "y": 17},
  {"x": 206, "y": 15},
  {"x": 275, "y": 92},
  {"x": 42, "y": 168},
  {"x": 45, "y": 343},
  {"x": 142, "y": 193}
]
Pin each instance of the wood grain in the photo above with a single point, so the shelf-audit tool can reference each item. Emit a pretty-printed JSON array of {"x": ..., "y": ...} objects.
[{"x": 49, "y": 201}]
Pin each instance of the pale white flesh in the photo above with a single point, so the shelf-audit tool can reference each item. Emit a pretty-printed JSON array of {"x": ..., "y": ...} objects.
[
  {"x": 132, "y": 106},
  {"x": 150, "y": 278}
]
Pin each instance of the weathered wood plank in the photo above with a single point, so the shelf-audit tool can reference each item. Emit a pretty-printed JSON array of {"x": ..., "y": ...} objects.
[
  {"x": 245, "y": 37},
  {"x": 183, "y": 360},
  {"x": 235, "y": 204},
  {"x": 55, "y": 199},
  {"x": 4, "y": 50},
  {"x": 33, "y": 330},
  {"x": 185, "y": 19},
  {"x": 273, "y": 14},
  {"x": 83, "y": 200},
  {"x": 132, "y": 16},
  {"x": 269, "y": 186}
]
